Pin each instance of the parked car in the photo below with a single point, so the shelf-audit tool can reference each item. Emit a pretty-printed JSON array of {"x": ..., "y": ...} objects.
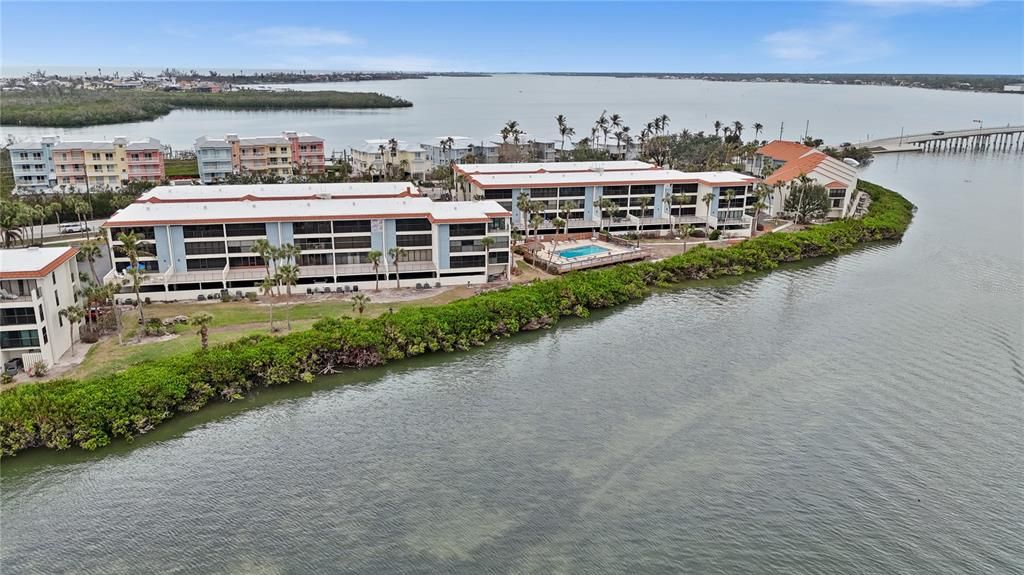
[
  {"x": 73, "y": 228},
  {"x": 13, "y": 366},
  {"x": 938, "y": 133}
]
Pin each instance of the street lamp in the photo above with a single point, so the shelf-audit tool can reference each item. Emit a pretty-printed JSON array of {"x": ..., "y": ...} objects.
[{"x": 981, "y": 125}]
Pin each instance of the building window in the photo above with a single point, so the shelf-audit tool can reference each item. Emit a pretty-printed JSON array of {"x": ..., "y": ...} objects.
[
  {"x": 455, "y": 246},
  {"x": 202, "y": 248},
  {"x": 644, "y": 190},
  {"x": 837, "y": 202},
  {"x": 240, "y": 246},
  {"x": 355, "y": 242},
  {"x": 56, "y": 297},
  {"x": 499, "y": 257},
  {"x": 46, "y": 339},
  {"x": 684, "y": 188},
  {"x": 257, "y": 229},
  {"x": 413, "y": 240},
  {"x": 615, "y": 191},
  {"x": 412, "y": 225},
  {"x": 247, "y": 262},
  {"x": 41, "y": 316},
  {"x": 455, "y": 230},
  {"x": 352, "y": 226},
  {"x": 315, "y": 259},
  {"x": 538, "y": 193},
  {"x": 318, "y": 243},
  {"x": 418, "y": 256},
  {"x": 22, "y": 338},
  {"x": 504, "y": 194},
  {"x": 206, "y": 264},
  {"x": 351, "y": 259},
  {"x": 17, "y": 316},
  {"x": 311, "y": 228},
  {"x": 203, "y": 231},
  {"x": 466, "y": 261},
  {"x": 148, "y": 233}
]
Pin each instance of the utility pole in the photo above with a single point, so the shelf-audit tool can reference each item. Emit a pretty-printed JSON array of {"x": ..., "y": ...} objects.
[
  {"x": 807, "y": 129},
  {"x": 781, "y": 126},
  {"x": 901, "y": 135}
]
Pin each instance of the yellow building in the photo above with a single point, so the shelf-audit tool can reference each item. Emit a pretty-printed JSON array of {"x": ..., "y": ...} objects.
[
  {"x": 271, "y": 155},
  {"x": 92, "y": 165}
]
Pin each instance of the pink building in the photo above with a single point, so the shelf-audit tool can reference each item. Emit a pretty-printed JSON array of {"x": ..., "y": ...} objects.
[
  {"x": 307, "y": 152},
  {"x": 145, "y": 160}
]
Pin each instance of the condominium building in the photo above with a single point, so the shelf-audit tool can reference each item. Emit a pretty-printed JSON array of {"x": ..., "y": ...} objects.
[
  {"x": 787, "y": 161},
  {"x": 32, "y": 165},
  {"x": 39, "y": 165},
  {"x": 197, "y": 246},
  {"x": 283, "y": 155},
  {"x": 553, "y": 167},
  {"x": 35, "y": 284},
  {"x": 442, "y": 152},
  {"x": 226, "y": 193},
  {"x": 592, "y": 195},
  {"x": 377, "y": 157},
  {"x": 87, "y": 165}
]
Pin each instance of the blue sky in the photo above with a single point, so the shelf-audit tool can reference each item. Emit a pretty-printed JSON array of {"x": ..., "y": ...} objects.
[{"x": 889, "y": 36}]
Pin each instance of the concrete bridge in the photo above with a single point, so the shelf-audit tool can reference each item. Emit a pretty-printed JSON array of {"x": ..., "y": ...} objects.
[{"x": 1003, "y": 138}]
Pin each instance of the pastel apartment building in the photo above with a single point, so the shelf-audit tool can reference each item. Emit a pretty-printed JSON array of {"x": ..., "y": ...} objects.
[
  {"x": 32, "y": 165},
  {"x": 643, "y": 194},
  {"x": 377, "y": 156},
  {"x": 787, "y": 161},
  {"x": 35, "y": 284},
  {"x": 201, "y": 240},
  {"x": 43, "y": 164},
  {"x": 284, "y": 155}
]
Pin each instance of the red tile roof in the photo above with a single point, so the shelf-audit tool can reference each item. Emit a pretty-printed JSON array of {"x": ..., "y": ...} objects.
[
  {"x": 835, "y": 185},
  {"x": 783, "y": 150},
  {"x": 793, "y": 168}
]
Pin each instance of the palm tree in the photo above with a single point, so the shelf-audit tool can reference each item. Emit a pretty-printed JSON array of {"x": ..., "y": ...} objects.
[
  {"x": 132, "y": 246},
  {"x": 374, "y": 257},
  {"x": 202, "y": 321},
  {"x": 396, "y": 253},
  {"x": 40, "y": 211},
  {"x": 758, "y": 128},
  {"x": 567, "y": 207},
  {"x": 288, "y": 275},
  {"x": 605, "y": 205},
  {"x": 737, "y": 128},
  {"x": 10, "y": 229},
  {"x": 559, "y": 223},
  {"x": 565, "y": 131},
  {"x": 90, "y": 251},
  {"x": 74, "y": 314},
  {"x": 663, "y": 121},
  {"x": 760, "y": 194},
  {"x": 137, "y": 275},
  {"x": 536, "y": 220},
  {"x": 685, "y": 231},
  {"x": 524, "y": 204},
  {"x": 359, "y": 302},
  {"x": 487, "y": 242},
  {"x": 267, "y": 286},
  {"x": 613, "y": 212},
  {"x": 707, "y": 199},
  {"x": 718, "y": 127},
  {"x": 644, "y": 202},
  {"x": 112, "y": 289}
]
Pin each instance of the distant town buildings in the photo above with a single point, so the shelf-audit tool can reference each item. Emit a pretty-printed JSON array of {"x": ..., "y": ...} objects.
[
  {"x": 35, "y": 284},
  {"x": 285, "y": 155},
  {"x": 40, "y": 165}
]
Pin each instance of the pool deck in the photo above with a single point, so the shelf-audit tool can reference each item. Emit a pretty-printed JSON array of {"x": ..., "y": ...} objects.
[{"x": 548, "y": 259}]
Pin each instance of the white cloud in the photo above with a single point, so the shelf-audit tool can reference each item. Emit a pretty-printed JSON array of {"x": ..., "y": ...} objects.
[
  {"x": 835, "y": 43},
  {"x": 296, "y": 36}
]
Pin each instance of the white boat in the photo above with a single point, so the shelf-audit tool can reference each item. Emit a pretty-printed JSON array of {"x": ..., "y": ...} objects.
[{"x": 851, "y": 161}]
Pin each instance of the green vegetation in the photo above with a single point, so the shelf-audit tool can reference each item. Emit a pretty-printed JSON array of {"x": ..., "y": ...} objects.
[
  {"x": 186, "y": 168},
  {"x": 75, "y": 108},
  {"x": 92, "y": 411}
]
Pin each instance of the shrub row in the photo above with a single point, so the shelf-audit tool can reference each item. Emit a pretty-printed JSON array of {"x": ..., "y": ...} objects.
[{"x": 88, "y": 413}]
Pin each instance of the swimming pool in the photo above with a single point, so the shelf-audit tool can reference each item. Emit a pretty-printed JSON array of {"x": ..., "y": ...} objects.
[{"x": 578, "y": 252}]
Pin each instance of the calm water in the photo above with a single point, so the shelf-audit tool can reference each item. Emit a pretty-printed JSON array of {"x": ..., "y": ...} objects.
[
  {"x": 479, "y": 107},
  {"x": 860, "y": 414}
]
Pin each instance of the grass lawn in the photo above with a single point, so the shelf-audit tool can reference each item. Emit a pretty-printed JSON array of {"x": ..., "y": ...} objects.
[
  {"x": 179, "y": 168},
  {"x": 230, "y": 321}
]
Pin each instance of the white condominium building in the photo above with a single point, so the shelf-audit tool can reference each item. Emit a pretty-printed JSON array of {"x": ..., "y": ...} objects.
[
  {"x": 202, "y": 246},
  {"x": 35, "y": 284},
  {"x": 592, "y": 195}
]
